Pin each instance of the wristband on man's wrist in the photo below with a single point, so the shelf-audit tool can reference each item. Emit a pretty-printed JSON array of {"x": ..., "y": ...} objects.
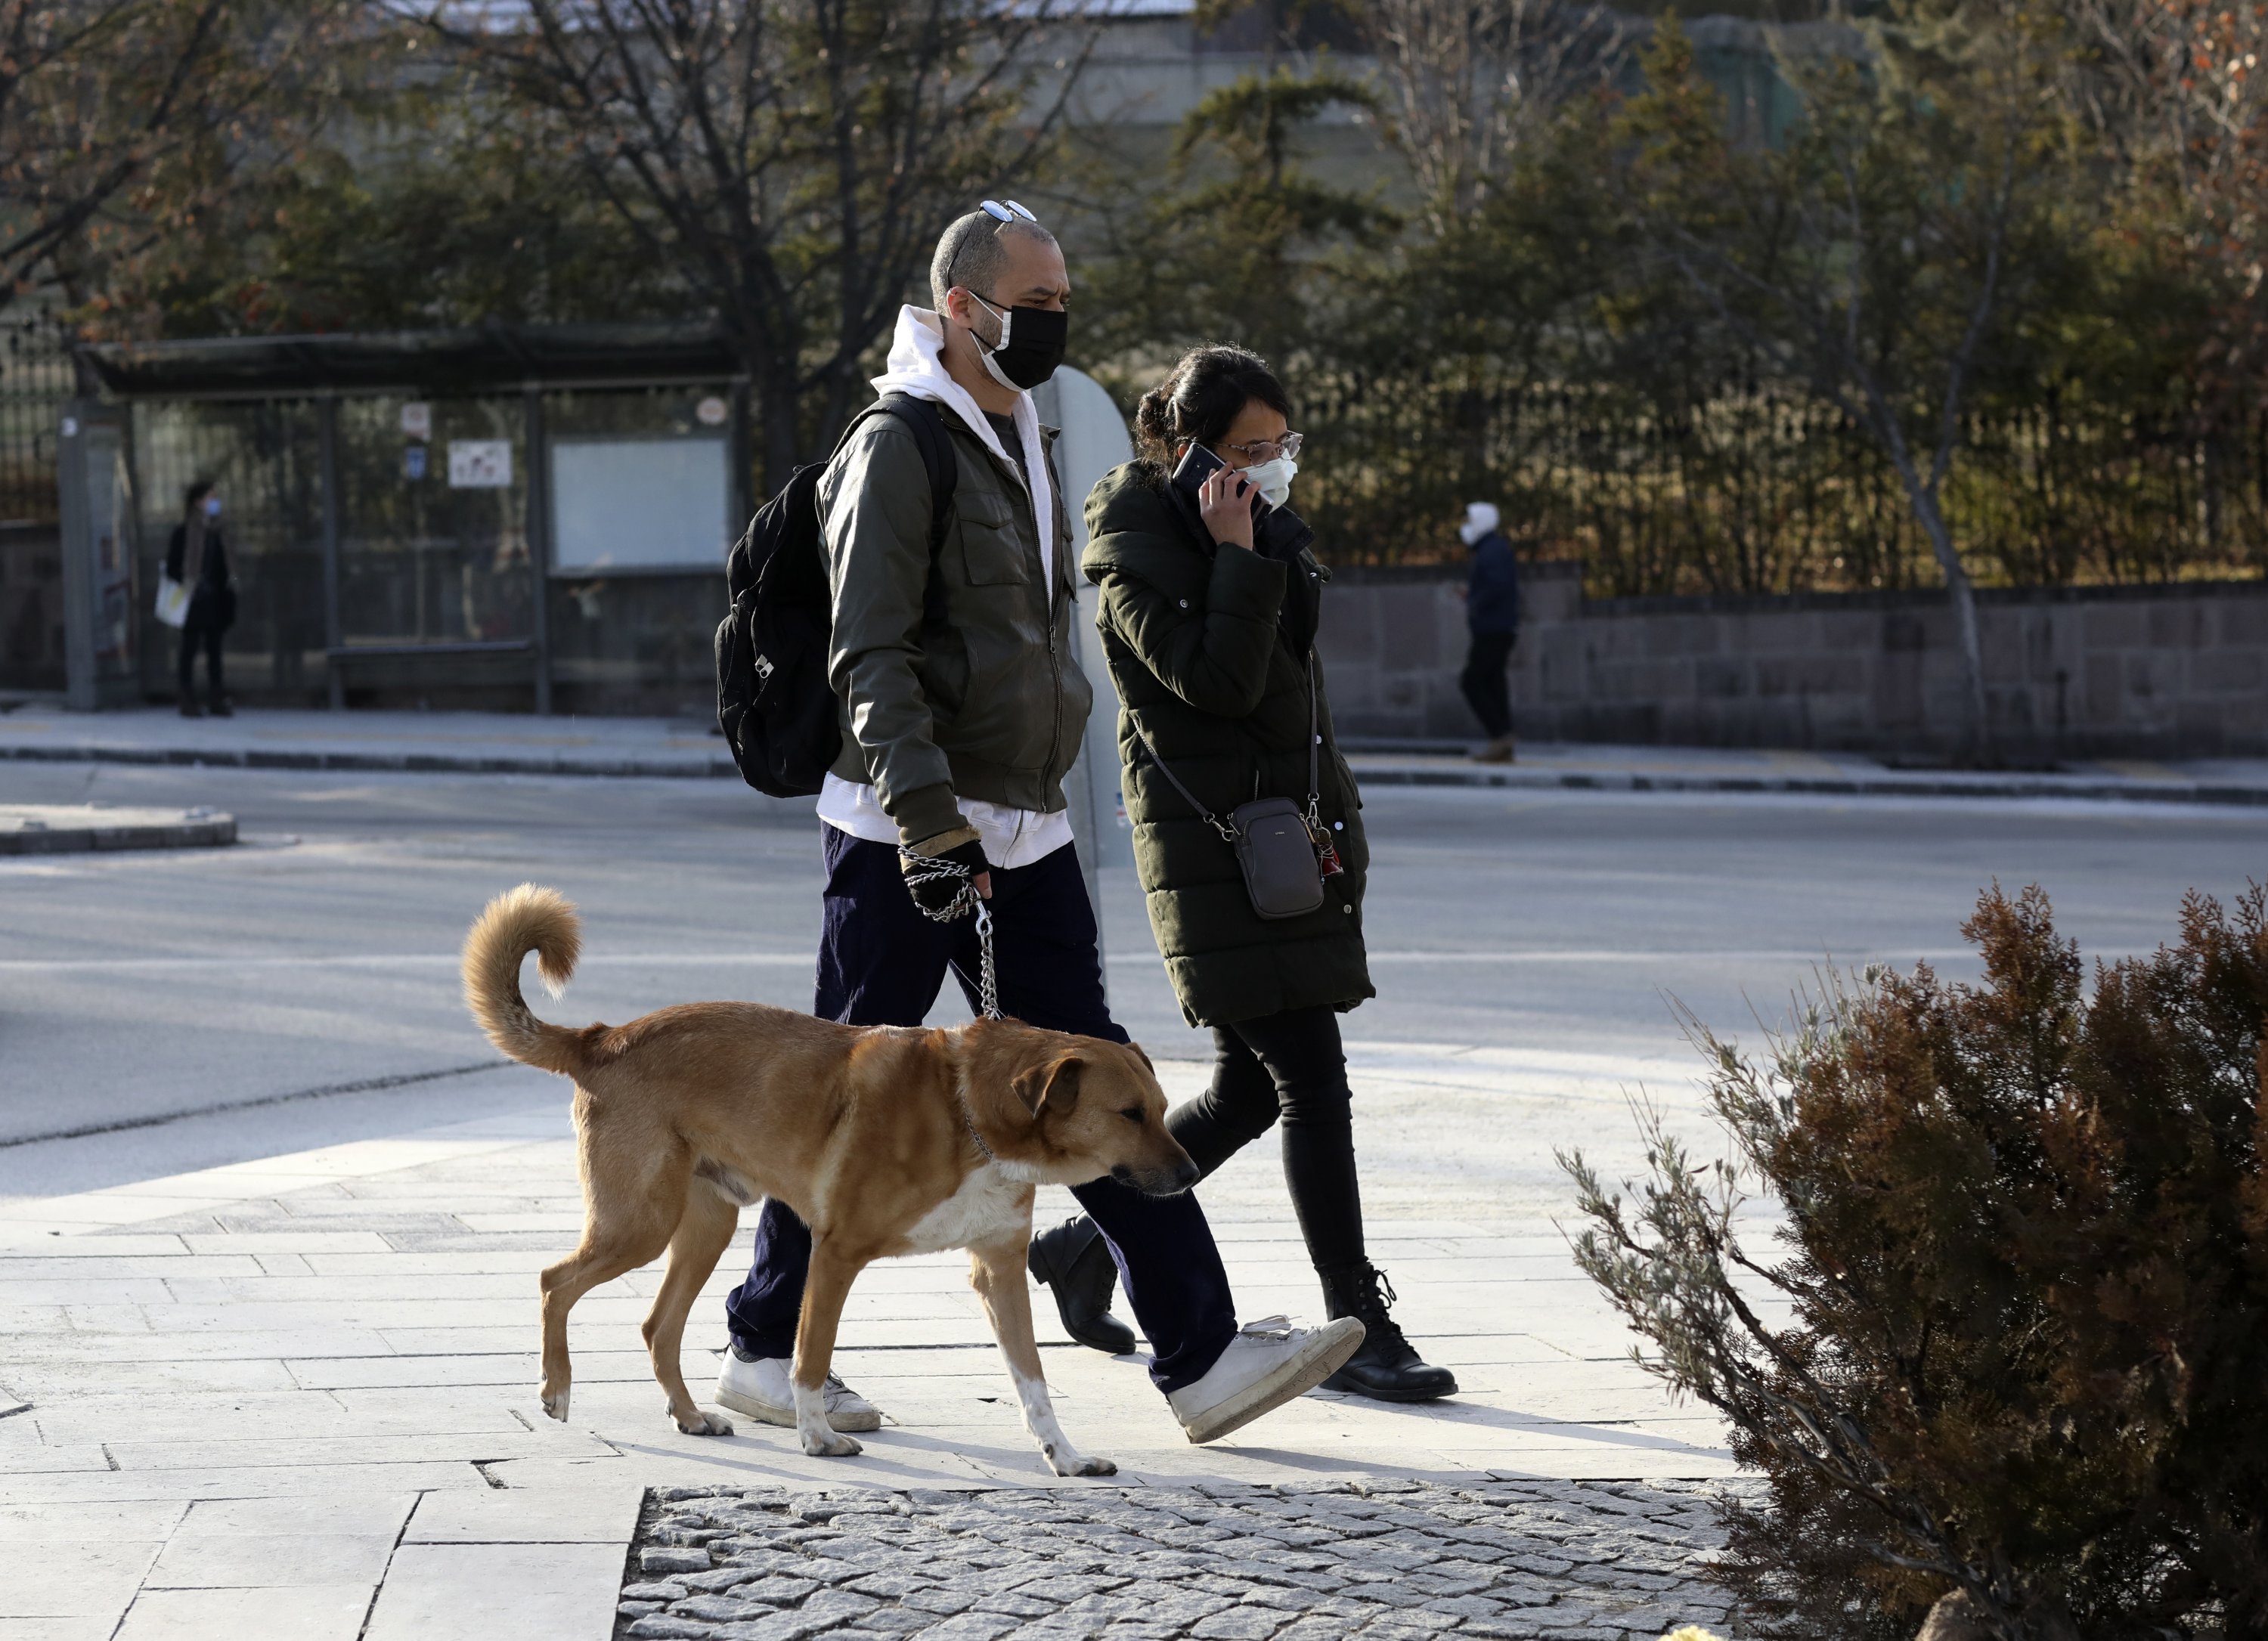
[{"x": 942, "y": 842}]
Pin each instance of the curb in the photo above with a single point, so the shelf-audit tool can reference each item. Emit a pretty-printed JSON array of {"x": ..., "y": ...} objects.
[
  {"x": 192, "y": 829},
  {"x": 1821, "y": 785},
  {"x": 720, "y": 767},
  {"x": 380, "y": 762}
]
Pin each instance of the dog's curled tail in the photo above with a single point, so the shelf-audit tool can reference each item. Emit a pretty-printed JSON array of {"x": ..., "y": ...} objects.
[{"x": 529, "y": 918}]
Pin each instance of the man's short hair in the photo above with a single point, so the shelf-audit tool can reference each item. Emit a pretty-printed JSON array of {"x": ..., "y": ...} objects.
[{"x": 970, "y": 255}]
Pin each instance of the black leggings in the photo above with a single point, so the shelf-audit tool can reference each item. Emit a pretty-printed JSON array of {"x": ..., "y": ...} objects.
[
  {"x": 207, "y": 634},
  {"x": 1287, "y": 1065}
]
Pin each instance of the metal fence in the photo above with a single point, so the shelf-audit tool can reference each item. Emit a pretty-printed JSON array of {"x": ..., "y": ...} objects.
[
  {"x": 1761, "y": 487},
  {"x": 35, "y": 378}
]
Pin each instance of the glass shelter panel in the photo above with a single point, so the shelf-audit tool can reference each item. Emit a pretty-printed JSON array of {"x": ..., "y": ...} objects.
[
  {"x": 638, "y": 503},
  {"x": 433, "y": 520},
  {"x": 110, "y": 498},
  {"x": 635, "y": 634}
]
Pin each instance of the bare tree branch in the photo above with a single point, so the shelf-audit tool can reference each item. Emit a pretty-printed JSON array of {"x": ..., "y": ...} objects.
[
  {"x": 1469, "y": 81},
  {"x": 792, "y": 160}
]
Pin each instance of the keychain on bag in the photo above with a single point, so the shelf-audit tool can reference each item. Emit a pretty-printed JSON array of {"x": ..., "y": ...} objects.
[{"x": 1327, "y": 853}]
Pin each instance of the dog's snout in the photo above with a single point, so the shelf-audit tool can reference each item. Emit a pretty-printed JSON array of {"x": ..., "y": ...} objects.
[{"x": 1171, "y": 1180}]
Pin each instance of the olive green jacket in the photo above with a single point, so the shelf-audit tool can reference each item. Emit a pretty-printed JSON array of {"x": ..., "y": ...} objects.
[
  {"x": 970, "y": 687},
  {"x": 1198, "y": 651}
]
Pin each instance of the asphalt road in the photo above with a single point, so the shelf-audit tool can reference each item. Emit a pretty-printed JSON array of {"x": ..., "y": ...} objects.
[{"x": 313, "y": 968}]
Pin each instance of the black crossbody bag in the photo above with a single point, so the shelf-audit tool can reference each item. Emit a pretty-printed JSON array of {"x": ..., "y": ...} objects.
[{"x": 1276, "y": 844}]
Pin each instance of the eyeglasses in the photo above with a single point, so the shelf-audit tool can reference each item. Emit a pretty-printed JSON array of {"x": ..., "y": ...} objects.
[
  {"x": 1262, "y": 450},
  {"x": 1009, "y": 212}
]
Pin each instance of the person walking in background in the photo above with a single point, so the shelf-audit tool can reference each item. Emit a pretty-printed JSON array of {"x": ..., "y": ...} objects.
[
  {"x": 1211, "y": 599},
  {"x": 198, "y": 559},
  {"x": 1492, "y": 613}
]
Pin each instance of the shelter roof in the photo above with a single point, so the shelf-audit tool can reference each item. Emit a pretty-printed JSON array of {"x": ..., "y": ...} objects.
[{"x": 494, "y": 358}]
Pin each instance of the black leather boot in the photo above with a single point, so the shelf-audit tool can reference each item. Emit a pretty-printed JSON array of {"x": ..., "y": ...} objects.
[
  {"x": 1384, "y": 1367},
  {"x": 1075, "y": 1261}
]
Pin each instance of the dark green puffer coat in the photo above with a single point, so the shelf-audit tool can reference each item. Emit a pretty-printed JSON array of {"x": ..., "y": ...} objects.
[{"x": 1204, "y": 653}]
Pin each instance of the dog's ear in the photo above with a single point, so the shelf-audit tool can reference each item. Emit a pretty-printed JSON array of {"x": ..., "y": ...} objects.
[{"x": 1052, "y": 1087}]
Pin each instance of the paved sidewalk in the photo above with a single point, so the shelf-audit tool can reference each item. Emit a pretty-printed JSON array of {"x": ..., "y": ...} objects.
[
  {"x": 516, "y": 744},
  {"x": 296, "y": 1397},
  {"x": 1310, "y": 1561},
  {"x": 502, "y": 743},
  {"x": 1544, "y": 765}
]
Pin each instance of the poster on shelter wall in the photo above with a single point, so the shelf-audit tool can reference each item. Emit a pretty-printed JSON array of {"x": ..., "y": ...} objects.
[{"x": 480, "y": 464}]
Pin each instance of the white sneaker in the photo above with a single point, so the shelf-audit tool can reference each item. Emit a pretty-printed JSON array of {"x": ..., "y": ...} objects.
[
  {"x": 760, "y": 1389},
  {"x": 1265, "y": 1366}
]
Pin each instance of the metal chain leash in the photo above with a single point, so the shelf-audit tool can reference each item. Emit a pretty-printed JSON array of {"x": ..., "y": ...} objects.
[
  {"x": 922, "y": 870},
  {"x": 988, "y": 979}
]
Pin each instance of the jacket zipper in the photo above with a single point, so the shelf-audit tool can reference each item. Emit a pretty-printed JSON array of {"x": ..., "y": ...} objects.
[{"x": 1049, "y": 774}]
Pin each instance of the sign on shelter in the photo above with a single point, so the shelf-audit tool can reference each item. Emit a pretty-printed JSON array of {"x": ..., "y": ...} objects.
[{"x": 480, "y": 464}]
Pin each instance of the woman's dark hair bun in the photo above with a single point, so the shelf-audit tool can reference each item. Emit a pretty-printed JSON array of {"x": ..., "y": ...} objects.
[
  {"x": 1201, "y": 396},
  {"x": 1153, "y": 419}
]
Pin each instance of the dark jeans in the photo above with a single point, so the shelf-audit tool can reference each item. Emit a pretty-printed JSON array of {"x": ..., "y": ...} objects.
[
  {"x": 881, "y": 963},
  {"x": 1287, "y": 1066},
  {"x": 1486, "y": 688},
  {"x": 201, "y": 628}
]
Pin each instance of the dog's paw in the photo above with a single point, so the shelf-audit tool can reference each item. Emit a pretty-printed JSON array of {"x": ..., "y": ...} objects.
[
  {"x": 703, "y": 1424},
  {"x": 1070, "y": 1462},
  {"x": 556, "y": 1406},
  {"x": 833, "y": 1445}
]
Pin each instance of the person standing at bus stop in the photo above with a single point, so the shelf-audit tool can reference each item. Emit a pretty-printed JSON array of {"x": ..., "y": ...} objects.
[
  {"x": 198, "y": 559},
  {"x": 1492, "y": 615}
]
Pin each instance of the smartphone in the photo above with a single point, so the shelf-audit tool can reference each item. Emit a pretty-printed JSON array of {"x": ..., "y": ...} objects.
[
  {"x": 1197, "y": 466},
  {"x": 1201, "y": 464}
]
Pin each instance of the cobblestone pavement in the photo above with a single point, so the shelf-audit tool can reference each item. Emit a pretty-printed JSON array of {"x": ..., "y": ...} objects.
[{"x": 1558, "y": 1561}]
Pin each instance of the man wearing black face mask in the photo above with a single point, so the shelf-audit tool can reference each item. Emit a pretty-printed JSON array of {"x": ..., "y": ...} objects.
[{"x": 962, "y": 707}]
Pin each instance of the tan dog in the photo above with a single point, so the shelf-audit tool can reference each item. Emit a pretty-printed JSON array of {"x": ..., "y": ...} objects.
[{"x": 885, "y": 1140}]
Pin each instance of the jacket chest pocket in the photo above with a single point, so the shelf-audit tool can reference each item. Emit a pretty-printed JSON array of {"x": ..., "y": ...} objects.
[{"x": 991, "y": 547}]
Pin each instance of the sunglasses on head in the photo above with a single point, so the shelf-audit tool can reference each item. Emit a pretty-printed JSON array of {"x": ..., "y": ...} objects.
[{"x": 1009, "y": 212}]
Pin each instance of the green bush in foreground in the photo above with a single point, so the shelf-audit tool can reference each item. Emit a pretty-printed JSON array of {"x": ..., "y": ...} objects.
[{"x": 2016, "y": 1341}]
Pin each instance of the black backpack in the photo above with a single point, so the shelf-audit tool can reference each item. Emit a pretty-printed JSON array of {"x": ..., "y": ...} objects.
[{"x": 773, "y": 701}]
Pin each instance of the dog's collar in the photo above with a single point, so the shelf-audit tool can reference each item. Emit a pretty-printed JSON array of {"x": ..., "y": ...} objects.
[
  {"x": 969, "y": 1119},
  {"x": 969, "y": 1123}
]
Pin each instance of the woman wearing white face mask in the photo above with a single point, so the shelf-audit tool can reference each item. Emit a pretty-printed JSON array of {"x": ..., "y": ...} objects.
[{"x": 1210, "y": 603}]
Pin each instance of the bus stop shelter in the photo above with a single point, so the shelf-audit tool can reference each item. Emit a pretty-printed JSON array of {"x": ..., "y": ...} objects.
[{"x": 501, "y": 517}]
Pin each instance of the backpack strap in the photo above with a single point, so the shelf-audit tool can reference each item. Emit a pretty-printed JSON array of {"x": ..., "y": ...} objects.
[{"x": 926, "y": 423}]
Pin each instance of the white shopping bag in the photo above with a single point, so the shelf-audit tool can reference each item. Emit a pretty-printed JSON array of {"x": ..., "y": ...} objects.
[{"x": 173, "y": 601}]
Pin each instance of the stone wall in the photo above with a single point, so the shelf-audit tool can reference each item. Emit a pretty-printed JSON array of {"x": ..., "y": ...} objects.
[{"x": 2152, "y": 672}]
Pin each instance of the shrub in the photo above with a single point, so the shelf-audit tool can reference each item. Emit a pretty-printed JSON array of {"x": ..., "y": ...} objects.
[{"x": 2016, "y": 1342}]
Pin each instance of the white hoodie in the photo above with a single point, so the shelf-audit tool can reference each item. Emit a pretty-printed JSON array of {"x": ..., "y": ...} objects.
[
  {"x": 918, "y": 367},
  {"x": 1010, "y": 836}
]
